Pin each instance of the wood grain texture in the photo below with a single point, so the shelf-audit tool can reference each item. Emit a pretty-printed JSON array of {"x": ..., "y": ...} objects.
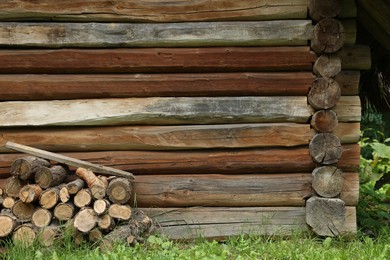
[
  {"x": 95, "y": 35},
  {"x": 46, "y": 87},
  {"x": 152, "y": 11},
  {"x": 329, "y": 36},
  {"x": 357, "y": 57},
  {"x": 165, "y": 111},
  {"x": 348, "y": 81},
  {"x": 223, "y": 222},
  {"x": 138, "y": 60},
  {"x": 348, "y": 109},
  {"x": 233, "y": 161},
  {"x": 319, "y": 10}
]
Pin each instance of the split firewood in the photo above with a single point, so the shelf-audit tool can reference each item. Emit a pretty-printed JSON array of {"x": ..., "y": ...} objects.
[
  {"x": 49, "y": 198},
  {"x": 119, "y": 234},
  {"x": 82, "y": 198},
  {"x": 8, "y": 202},
  {"x": 48, "y": 177},
  {"x": 8, "y": 223},
  {"x": 41, "y": 218},
  {"x": 30, "y": 193},
  {"x": 24, "y": 168},
  {"x": 85, "y": 220},
  {"x": 119, "y": 190},
  {"x": 101, "y": 206},
  {"x": 12, "y": 186},
  {"x": 25, "y": 234},
  {"x": 49, "y": 234},
  {"x": 64, "y": 194},
  {"x": 95, "y": 235},
  {"x": 64, "y": 211},
  {"x": 106, "y": 222},
  {"x": 98, "y": 186},
  {"x": 74, "y": 186},
  {"x": 122, "y": 212},
  {"x": 23, "y": 211}
]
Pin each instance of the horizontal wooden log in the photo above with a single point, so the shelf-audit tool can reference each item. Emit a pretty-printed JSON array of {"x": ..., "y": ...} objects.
[
  {"x": 46, "y": 87},
  {"x": 191, "y": 162},
  {"x": 348, "y": 9},
  {"x": 165, "y": 111},
  {"x": 157, "y": 60},
  {"x": 357, "y": 57},
  {"x": 95, "y": 35},
  {"x": 223, "y": 222},
  {"x": 152, "y": 11},
  {"x": 348, "y": 109},
  {"x": 230, "y": 190},
  {"x": 350, "y": 31},
  {"x": 348, "y": 81}
]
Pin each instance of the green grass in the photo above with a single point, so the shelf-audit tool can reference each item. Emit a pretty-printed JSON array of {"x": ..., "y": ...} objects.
[{"x": 243, "y": 247}]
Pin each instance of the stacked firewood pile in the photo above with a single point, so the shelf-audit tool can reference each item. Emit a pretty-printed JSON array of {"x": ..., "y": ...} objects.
[{"x": 41, "y": 200}]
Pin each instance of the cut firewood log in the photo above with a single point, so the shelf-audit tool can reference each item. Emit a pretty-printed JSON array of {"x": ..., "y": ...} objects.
[
  {"x": 85, "y": 220},
  {"x": 119, "y": 234},
  {"x": 328, "y": 181},
  {"x": 325, "y": 148},
  {"x": 30, "y": 193},
  {"x": 8, "y": 202},
  {"x": 319, "y": 9},
  {"x": 327, "y": 65},
  {"x": 328, "y": 36},
  {"x": 74, "y": 186},
  {"x": 64, "y": 194},
  {"x": 49, "y": 234},
  {"x": 324, "y": 121},
  {"x": 12, "y": 186},
  {"x": 82, "y": 198},
  {"x": 119, "y": 190},
  {"x": 23, "y": 211},
  {"x": 101, "y": 206},
  {"x": 98, "y": 186},
  {"x": 25, "y": 234},
  {"x": 106, "y": 222},
  {"x": 49, "y": 198},
  {"x": 324, "y": 93},
  {"x": 64, "y": 211},
  {"x": 25, "y": 167},
  {"x": 8, "y": 223},
  {"x": 41, "y": 218},
  {"x": 95, "y": 235},
  {"x": 143, "y": 223},
  {"x": 122, "y": 212},
  {"x": 48, "y": 177}
]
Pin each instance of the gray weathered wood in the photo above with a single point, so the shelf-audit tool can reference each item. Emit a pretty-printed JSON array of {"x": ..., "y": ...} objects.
[
  {"x": 325, "y": 148},
  {"x": 327, "y": 65},
  {"x": 319, "y": 9},
  {"x": 328, "y": 36},
  {"x": 348, "y": 109},
  {"x": 55, "y": 35},
  {"x": 324, "y": 93},
  {"x": 328, "y": 181}
]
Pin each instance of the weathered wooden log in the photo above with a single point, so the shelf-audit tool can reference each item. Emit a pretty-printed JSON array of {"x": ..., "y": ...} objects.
[
  {"x": 119, "y": 190},
  {"x": 350, "y": 32},
  {"x": 47, "y": 87},
  {"x": 83, "y": 198},
  {"x": 325, "y": 148},
  {"x": 229, "y": 59},
  {"x": 8, "y": 223},
  {"x": 64, "y": 194},
  {"x": 121, "y": 212},
  {"x": 327, "y": 65},
  {"x": 178, "y": 110},
  {"x": 25, "y": 167},
  {"x": 23, "y": 211},
  {"x": 85, "y": 220},
  {"x": 49, "y": 198},
  {"x": 324, "y": 121},
  {"x": 64, "y": 211},
  {"x": 41, "y": 218},
  {"x": 12, "y": 186},
  {"x": 324, "y": 93},
  {"x": 47, "y": 177},
  {"x": 328, "y": 36},
  {"x": 98, "y": 186},
  {"x": 348, "y": 109},
  {"x": 326, "y": 216},
  {"x": 8, "y": 202},
  {"x": 142, "y": 223},
  {"x": 118, "y": 235},
  {"x": 147, "y": 11},
  {"x": 60, "y": 35},
  {"x": 356, "y": 57},
  {"x": 49, "y": 234},
  {"x": 25, "y": 234},
  {"x": 30, "y": 193},
  {"x": 101, "y": 206},
  {"x": 348, "y": 9},
  {"x": 348, "y": 81},
  {"x": 319, "y": 9},
  {"x": 95, "y": 235},
  {"x": 328, "y": 181},
  {"x": 74, "y": 186},
  {"x": 106, "y": 222}
]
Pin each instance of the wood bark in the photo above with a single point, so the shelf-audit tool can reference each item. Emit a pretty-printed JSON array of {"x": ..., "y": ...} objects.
[
  {"x": 30, "y": 193},
  {"x": 319, "y": 10},
  {"x": 324, "y": 121},
  {"x": 348, "y": 81},
  {"x": 101, "y": 206},
  {"x": 324, "y": 93},
  {"x": 95, "y": 35},
  {"x": 121, "y": 212},
  {"x": 356, "y": 57},
  {"x": 12, "y": 186},
  {"x": 325, "y": 148},
  {"x": 8, "y": 202},
  {"x": 190, "y": 60},
  {"x": 25, "y": 167},
  {"x": 25, "y": 234},
  {"x": 147, "y": 11},
  {"x": 98, "y": 186},
  {"x": 85, "y": 86},
  {"x": 327, "y": 65},
  {"x": 85, "y": 220},
  {"x": 119, "y": 190},
  {"x": 41, "y": 218},
  {"x": 48, "y": 177},
  {"x": 8, "y": 223},
  {"x": 64, "y": 211},
  {"x": 74, "y": 186},
  {"x": 83, "y": 198},
  {"x": 23, "y": 211},
  {"x": 328, "y": 181},
  {"x": 326, "y": 216},
  {"x": 328, "y": 36}
]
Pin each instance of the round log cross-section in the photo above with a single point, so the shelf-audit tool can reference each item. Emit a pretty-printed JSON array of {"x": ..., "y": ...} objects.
[
  {"x": 320, "y": 9},
  {"x": 328, "y": 36},
  {"x": 324, "y": 93},
  {"x": 327, "y": 65},
  {"x": 327, "y": 181},
  {"x": 324, "y": 121},
  {"x": 325, "y": 148}
]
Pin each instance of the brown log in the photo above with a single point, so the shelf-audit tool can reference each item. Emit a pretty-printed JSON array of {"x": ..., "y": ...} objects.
[
  {"x": 121, "y": 212},
  {"x": 348, "y": 81},
  {"x": 319, "y": 9},
  {"x": 157, "y": 60},
  {"x": 64, "y": 211},
  {"x": 324, "y": 121},
  {"x": 49, "y": 234},
  {"x": 48, "y": 177},
  {"x": 106, "y": 222},
  {"x": 25, "y": 234},
  {"x": 64, "y": 194},
  {"x": 85, "y": 220},
  {"x": 25, "y": 167},
  {"x": 326, "y": 216},
  {"x": 101, "y": 206},
  {"x": 350, "y": 31},
  {"x": 328, "y": 36},
  {"x": 47, "y": 87},
  {"x": 41, "y": 218},
  {"x": 328, "y": 181},
  {"x": 8, "y": 223},
  {"x": 23, "y": 211},
  {"x": 356, "y": 57},
  {"x": 74, "y": 186},
  {"x": 119, "y": 190},
  {"x": 8, "y": 202},
  {"x": 325, "y": 148},
  {"x": 12, "y": 186},
  {"x": 97, "y": 186},
  {"x": 83, "y": 198},
  {"x": 30, "y": 193},
  {"x": 49, "y": 198},
  {"x": 95, "y": 235},
  {"x": 324, "y": 93},
  {"x": 327, "y": 65}
]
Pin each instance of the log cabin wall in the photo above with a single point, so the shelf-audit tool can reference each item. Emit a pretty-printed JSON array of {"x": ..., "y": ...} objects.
[{"x": 235, "y": 116}]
